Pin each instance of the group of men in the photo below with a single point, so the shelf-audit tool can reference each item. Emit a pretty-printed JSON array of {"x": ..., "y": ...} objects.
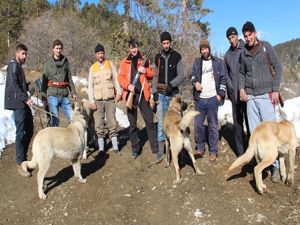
[{"x": 245, "y": 74}]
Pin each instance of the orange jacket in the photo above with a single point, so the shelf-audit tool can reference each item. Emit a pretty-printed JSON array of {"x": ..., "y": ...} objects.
[{"x": 124, "y": 77}]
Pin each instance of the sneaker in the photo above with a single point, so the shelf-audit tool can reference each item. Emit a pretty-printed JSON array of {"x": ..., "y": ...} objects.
[
  {"x": 212, "y": 157},
  {"x": 275, "y": 175},
  {"x": 22, "y": 172},
  {"x": 199, "y": 154},
  {"x": 134, "y": 155},
  {"x": 159, "y": 158}
]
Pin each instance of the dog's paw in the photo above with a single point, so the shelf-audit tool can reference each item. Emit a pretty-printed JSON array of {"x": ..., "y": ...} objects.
[
  {"x": 198, "y": 172},
  {"x": 82, "y": 180},
  {"x": 177, "y": 181},
  {"x": 289, "y": 181},
  {"x": 43, "y": 196}
]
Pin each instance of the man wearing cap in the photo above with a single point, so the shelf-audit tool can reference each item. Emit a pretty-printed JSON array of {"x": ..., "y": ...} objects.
[
  {"x": 168, "y": 75},
  {"x": 209, "y": 86},
  {"x": 232, "y": 69},
  {"x": 102, "y": 86},
  {"x": 57, "y": 83},
  {"x": 260, "y": 76}
]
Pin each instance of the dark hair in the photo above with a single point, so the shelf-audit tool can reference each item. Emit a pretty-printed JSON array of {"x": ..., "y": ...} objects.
[
  {"x": 248, "y": 26},
  {"x": 133, "y": 42},
  {"x": 57, "y": 42},
  {"x": 20, "y": 47}
]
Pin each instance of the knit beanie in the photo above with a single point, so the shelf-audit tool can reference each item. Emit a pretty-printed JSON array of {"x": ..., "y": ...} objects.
[
  {"x": 165, "y": 36},
  {"x": 99, "y": 48},
  {"x": 231, "y": 31},
  {"x": 204, "y": 44}
]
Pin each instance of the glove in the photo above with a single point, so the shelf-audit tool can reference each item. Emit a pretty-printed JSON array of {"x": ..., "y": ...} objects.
[
  {"x": 155, "y": 96},
  {"x": 169, "y": 90}
]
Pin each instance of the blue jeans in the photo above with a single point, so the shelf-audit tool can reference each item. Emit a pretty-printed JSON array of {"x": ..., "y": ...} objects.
[
  {"x": 56, "y": 102},
  {"x": 260, "y": 108},
  {"x": 162, "y": 108},
  {"x": 208, "y": 107},
  {"x": 24, "y": 131}
]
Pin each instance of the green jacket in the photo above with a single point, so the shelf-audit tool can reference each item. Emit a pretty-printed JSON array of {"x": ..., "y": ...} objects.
[{"x": 51, "y": 72}]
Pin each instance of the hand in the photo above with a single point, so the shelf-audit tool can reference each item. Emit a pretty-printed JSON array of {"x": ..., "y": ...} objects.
[
  {"x": 74, "y": 98},
  {"x": 142, "y": 69},
  {"x": 29, "y": 102},
  {"x": 117, "y": 98},
  {"x": 155, "y": 96},
  {"x": 275, "y": 97},
  {"x": 219, "y": 98},
  {"x": 198, "y": 86},
  {"x": 169, "y": 90},
  {"x": 243, "y": 95},
  {"x": 94, "y": 106},
  {"x": 130, "y": 88}
]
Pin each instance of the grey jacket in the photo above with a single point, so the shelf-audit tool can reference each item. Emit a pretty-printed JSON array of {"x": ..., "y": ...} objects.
[
  {"x": 255, "y": 74},
  {"x": 232, "y": 70}
]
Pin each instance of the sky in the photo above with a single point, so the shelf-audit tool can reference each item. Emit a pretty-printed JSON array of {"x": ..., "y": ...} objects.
[{"x": 276, "y": 21}]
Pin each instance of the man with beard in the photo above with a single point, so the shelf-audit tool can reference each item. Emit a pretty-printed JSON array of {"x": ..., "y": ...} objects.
[
  {"x": 16, "y": 98},
  {"x": 209, "y": 86}
]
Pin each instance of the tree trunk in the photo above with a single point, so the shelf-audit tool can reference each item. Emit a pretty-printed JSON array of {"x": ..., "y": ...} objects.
[
  {"x": 127, "y": 15},
  {"x": 184, "y": 15}
]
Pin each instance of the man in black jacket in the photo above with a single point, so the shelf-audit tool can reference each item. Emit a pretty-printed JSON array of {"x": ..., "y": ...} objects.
[
  {"x": 168, "y": 75},
  {"x": 16, "y": 98},
  {"x": 232, "y": 69}
]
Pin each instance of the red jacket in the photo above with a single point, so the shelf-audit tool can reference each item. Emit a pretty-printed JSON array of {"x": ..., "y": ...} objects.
[{"x": 124, "y": 77}]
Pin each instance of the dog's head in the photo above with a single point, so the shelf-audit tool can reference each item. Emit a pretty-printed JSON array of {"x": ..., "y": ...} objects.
[
  {"x": 77, "y": 114},
  {"x": 177, "y": 103}
]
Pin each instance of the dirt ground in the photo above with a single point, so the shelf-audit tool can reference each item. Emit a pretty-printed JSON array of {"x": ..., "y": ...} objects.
[{"x": 120, "y": 190}]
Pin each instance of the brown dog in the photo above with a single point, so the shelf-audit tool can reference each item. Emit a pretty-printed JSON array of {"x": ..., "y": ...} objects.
[
  {"x": 270, "y": 140},
  {"x": 175, "y": 128}
]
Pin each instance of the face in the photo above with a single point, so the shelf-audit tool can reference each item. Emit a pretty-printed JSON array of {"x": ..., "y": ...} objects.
[
  {"x": 100, "y": 56},
  {"x": 250, "y": 38},
  {"x": 166, "y": 45},
  {"x": 57, "y": 51},
  {"x": 233, "y": 40},
  {"x": 205, "y": 53},
  {"x": 133, "y": 50},
  {"x": 21, "y": 56}
]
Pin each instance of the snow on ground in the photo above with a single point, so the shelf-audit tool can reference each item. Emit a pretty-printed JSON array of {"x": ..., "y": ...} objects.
[{"x": 7, "y": 127}]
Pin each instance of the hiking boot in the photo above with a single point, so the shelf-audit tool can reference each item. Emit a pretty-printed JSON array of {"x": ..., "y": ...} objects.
[
  {"x": 212, "y": 157},
  {"x": 275, "y": 175},
  {"x": 159, "y": 158},
  {"x": 199, "y": 154},
  {"x": 22, "y": 172}
]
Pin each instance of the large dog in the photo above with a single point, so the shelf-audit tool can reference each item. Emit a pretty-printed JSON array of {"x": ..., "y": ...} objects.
[
  {"x": 175, "y": 128},
  {"x": 270, "y": 140},
  {"x": 67, "y": 143}
]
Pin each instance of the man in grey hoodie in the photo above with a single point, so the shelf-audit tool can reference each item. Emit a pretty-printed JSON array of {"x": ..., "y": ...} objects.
[
  {"x": 232, "y": 69},
  {"x": 259, "y": 87}
]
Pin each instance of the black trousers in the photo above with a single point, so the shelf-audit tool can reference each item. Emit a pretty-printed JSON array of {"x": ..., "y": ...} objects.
[
  {"x": 239, "y": 114},
  {"x": 147, "y": 115}
]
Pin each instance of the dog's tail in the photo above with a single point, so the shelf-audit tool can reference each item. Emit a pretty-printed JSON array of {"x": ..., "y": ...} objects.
[
  {"x": 29, "y": 164},
  {"x": 246, "y": 157},
  {"x": 187, "y": 119}
]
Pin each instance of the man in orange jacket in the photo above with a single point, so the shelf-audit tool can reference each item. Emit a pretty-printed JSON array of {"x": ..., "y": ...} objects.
[{"x": 128, "y": 69}]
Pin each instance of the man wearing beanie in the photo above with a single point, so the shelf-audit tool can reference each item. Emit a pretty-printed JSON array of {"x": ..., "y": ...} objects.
[
  {"x": 57, "y": 83},
  {"x": 129, "y": 67},
  {"x": 102, "y": 86},
  {"x": 209, "y": 86},
  {"x": 232, "y": 69},
  {"x": 168, "y": 75},
  {"x": 260, "y": 76}
]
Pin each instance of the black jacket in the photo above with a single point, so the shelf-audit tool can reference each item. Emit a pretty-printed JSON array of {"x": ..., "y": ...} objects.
[{"x": 16, "y": 87}]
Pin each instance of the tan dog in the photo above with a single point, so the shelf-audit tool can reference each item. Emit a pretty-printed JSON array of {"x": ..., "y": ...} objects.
[
  {"x": 175, "y": 128},
  {"x": 67, "y": 143},
  {"x": 269, "y": 140}
]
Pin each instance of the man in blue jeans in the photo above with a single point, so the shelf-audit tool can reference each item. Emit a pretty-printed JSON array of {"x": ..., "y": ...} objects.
[
  {"x": 57, "y": 83},
  {"x": 209, "y": 82},
  {"x": 168, "y": 75},
  {"x": 16, "y": 98},
  {"x": 260, "y": 76}
]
